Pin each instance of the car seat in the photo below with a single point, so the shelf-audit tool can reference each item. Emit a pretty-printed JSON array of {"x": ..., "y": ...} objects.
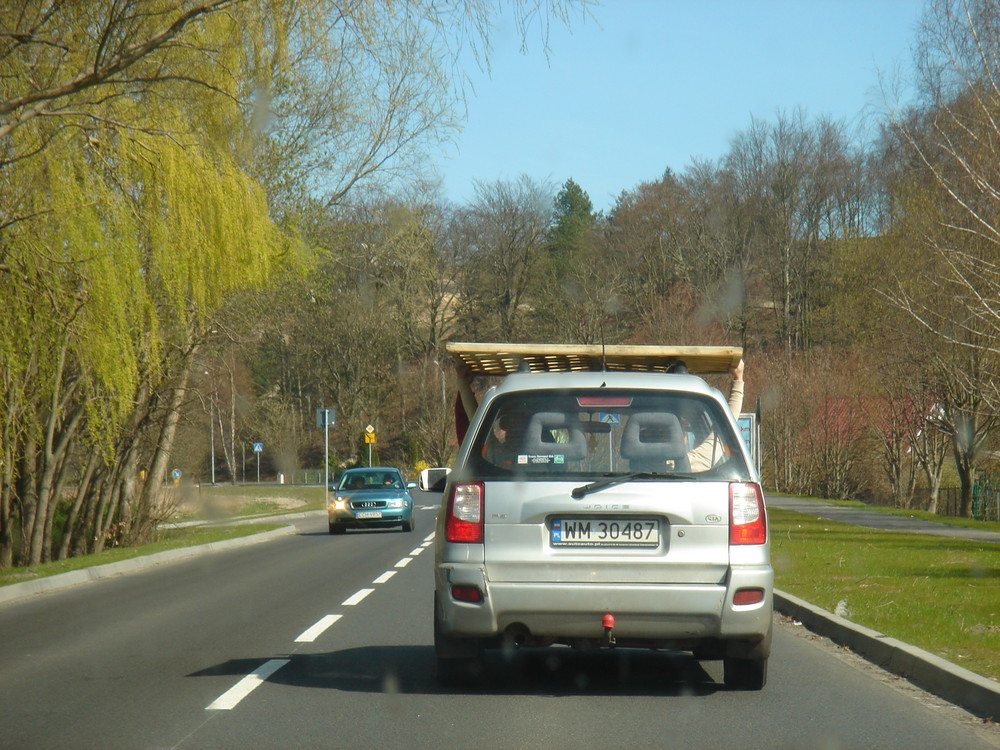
[
  {"x": 539, "y": 439},
  {"x": 651, "y": 439}
]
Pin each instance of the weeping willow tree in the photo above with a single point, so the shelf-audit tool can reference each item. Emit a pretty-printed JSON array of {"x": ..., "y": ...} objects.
[
  {"x": 133, "y": 222},
  {"x": 149, "y": 150}
]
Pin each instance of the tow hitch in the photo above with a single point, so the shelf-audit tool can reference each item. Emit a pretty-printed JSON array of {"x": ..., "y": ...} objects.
[{"x": 608, "y": 623}]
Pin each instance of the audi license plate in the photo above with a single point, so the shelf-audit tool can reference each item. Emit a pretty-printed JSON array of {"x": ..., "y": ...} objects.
[
  {"x": 368, "y": 514},
  {"x": 605, "y": 532}
]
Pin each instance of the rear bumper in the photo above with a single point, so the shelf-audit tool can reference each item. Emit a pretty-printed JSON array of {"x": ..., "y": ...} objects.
[{"x": 660, "y": 613}]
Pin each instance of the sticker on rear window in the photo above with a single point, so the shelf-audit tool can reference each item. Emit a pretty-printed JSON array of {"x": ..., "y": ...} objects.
[{"x": 545, "y": 459}]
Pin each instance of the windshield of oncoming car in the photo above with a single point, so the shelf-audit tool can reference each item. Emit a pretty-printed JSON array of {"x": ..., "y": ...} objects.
[
  {"x": 594, "y": 433},
  {"x": 370, "y": 480}
]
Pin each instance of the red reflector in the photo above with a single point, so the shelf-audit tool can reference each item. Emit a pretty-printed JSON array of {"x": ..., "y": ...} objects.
[
  {"x": 604, "y": 400},
  {"x": 466, "y": 594},
  {"x": 608, "y": 621},
  {"x": 748, "y": 596}
]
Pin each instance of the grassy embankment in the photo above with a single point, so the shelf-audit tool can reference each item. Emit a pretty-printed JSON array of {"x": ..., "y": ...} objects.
[{"x": 937, "y": 593}]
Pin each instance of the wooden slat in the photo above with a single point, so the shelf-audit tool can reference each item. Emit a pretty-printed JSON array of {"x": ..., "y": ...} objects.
[{"x": 503, "y": 359}]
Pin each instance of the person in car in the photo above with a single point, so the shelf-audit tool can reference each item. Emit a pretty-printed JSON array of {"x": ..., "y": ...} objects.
[
  {"x": 711, "y": 450},
  {"x": 507, "y": 439}
]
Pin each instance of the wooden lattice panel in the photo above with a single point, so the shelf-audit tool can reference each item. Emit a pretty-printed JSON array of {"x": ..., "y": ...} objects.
[{"x": 503, "y": 359}]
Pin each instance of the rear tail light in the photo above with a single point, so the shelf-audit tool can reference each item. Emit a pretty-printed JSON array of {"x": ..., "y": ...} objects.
[
  {"x": 747, "y": 518},
  {"x": 464, "y": 522}
]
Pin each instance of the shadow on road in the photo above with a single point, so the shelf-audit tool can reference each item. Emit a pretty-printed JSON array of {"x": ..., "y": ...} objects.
[{"x": 553, "y": 671}]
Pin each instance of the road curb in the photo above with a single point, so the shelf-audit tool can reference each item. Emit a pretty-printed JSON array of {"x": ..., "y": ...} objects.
[
  {"x": 977, "y": 694},
  {"x": 25, "y": 589}
]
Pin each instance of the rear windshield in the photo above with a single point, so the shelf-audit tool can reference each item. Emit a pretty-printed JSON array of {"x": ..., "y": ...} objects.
[
  {"x": 579, "y": 434},
  {"x": 370, "y": 480}
]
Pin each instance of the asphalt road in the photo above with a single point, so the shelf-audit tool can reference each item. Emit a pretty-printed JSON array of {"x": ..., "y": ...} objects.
[{"x": 312, "y": 641}]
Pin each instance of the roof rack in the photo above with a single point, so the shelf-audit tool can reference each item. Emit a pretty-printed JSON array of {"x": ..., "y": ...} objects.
[{"x": 506, "y": 358}]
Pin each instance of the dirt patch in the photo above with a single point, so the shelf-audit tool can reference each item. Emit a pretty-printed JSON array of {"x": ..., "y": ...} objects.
[{"x": 211, "y": 503}]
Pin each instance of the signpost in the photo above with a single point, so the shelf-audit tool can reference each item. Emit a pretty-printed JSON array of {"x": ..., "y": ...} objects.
[
  {"x": 326, "y": 417},
  {"x": 258, "y": 448},
  {"x": 370, "y": 439}
]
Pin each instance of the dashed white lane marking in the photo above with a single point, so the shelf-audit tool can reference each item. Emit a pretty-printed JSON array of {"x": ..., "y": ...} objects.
[
  {"x": 318, "y": 629},
  {"x": 252, "y": 681},
  {"x": 243, "y": 688},
  {"x": 356, "y": 598}
]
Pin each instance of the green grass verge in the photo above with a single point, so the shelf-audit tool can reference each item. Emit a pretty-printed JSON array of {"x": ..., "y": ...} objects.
[
  {"x": 167, "y": 539},
  {"x": 940, "y": 594}
]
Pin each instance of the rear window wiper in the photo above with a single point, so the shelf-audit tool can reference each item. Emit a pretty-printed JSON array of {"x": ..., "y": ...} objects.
[{"x": 615, "y": 479}]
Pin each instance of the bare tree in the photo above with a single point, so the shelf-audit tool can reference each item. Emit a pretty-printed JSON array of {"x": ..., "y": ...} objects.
[{"x": 505, "y": 228}]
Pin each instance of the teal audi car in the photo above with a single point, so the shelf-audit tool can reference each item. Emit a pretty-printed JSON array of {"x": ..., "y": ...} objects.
[{"x": 370, "y": 497}]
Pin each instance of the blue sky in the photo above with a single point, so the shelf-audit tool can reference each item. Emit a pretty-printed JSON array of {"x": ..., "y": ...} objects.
[{"x": 650, "y": 84}]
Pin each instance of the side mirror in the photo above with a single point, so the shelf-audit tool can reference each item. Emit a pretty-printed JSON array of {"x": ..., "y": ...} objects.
[
  {"x": 433, "y": 480},
  {"x": 410, "y": 485}
]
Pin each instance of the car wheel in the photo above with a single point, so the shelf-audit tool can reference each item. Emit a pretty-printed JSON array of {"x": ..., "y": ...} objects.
[
  {"x": 408, "y": 525},
  {"x": 457, "y": 672},
  {"x": 744, "y": 674},
  {"x": 457, "y": 661},
  {"x": 336, "y": 528}
]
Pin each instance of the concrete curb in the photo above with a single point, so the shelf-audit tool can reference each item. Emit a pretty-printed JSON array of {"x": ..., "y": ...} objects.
[
  {"x": 975, "y": 693},
  {"x": 16, "y": 591}
]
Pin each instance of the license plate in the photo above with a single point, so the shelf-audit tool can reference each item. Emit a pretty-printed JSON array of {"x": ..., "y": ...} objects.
[
  {"x": 605, "y": 532},
  {"x": 368, "y": 514}
]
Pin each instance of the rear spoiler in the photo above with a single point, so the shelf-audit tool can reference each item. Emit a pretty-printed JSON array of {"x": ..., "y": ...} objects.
[{"x": 498, "y": 359}]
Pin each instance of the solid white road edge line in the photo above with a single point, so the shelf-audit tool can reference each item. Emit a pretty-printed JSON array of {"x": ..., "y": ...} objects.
[
  {"x": 318, "y": 629},
  {"x": 356, "y": 598},
  {"x": 385, "y": 576},
  {"x": 243, "y": 688}
]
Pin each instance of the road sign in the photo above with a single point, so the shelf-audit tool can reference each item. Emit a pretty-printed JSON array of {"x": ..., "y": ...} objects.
[
  {"x": 326, "y": 416},
  {"x": 370, "y": 429},
  {"x": 176, "y": 473},
  {"x": 258, "y": 447},
  {"x": 750, "y": 432},
  {"x": 369, "y": 437}
]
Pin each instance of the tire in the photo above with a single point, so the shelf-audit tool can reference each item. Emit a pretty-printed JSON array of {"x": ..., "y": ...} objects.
[
  {"x": 457, "y": 661},
  {"x": 336, "y": 529},
  {"x": 408, "y": 525},
  {"x": 457, "y": 672},
  {"x": 744, "y": 674}
]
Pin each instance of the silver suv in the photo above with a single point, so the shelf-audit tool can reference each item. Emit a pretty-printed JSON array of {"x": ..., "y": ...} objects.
[{"x": 603, "y": 509}]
